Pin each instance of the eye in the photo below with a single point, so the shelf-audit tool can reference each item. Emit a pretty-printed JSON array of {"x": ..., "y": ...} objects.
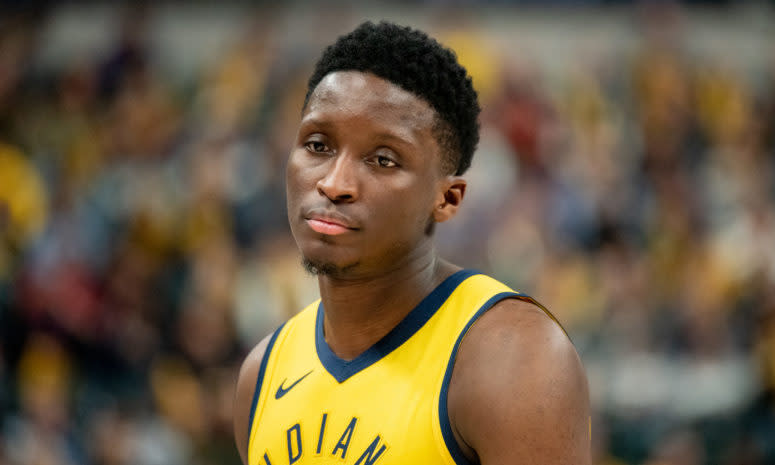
[
  {"x": 315, "y": 146},
  {"x": 385, "y": 162},
  {"x": 383, "y": 157}
]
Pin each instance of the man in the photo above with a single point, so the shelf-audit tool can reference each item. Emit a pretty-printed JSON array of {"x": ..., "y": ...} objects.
[{"x": 406, "y": 359}]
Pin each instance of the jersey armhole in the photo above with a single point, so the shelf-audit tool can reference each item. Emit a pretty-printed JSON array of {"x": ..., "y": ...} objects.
[
  {"x": 260, "y": 381},
  {"x": 446, "y": 427}
]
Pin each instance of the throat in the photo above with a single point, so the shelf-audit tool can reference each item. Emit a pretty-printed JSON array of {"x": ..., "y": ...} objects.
[
  {"x": 356, "y": 316},
  {"x": 348, "y": 340}
]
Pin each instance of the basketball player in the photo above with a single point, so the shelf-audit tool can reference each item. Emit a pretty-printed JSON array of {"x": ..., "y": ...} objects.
[{"x": 406, "y": 358}]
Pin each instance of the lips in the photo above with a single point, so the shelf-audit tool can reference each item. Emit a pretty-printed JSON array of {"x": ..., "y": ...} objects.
[{"x": 329, "y": 223}]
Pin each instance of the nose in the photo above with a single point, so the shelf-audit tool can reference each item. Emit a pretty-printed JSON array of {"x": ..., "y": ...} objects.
[{"x": 340, "y": 182}]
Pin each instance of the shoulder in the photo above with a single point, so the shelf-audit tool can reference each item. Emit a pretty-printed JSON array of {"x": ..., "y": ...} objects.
[
  {"x": 519, "y": 329},
  {"x": 518, "y": 391},
  {"x": 243, "y": 396}
]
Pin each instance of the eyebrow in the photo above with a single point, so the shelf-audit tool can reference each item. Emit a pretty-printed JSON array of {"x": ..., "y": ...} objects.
[{"x": 382, "y": 136}]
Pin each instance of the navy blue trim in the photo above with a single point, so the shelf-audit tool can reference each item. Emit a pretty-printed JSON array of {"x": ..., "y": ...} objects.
[
  {"x": 446, "y": 428},
  {"x": 342, "y": 369},
  {"x": 260, "y": 379}
]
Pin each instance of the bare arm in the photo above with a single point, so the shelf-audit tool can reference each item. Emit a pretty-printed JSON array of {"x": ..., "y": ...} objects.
[
  {"x": 243, "y": 396},
  {"x": 518, "y": 393}
]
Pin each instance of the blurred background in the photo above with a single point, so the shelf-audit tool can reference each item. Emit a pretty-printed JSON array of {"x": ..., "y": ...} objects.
[{"x": 625, "y": 178}]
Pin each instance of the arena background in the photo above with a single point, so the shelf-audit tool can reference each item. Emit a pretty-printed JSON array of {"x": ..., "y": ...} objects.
[{"x": 625, "y": 178}]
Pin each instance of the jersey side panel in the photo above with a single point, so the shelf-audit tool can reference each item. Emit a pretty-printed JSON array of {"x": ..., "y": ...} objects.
[{"x": 268, "y": 379}]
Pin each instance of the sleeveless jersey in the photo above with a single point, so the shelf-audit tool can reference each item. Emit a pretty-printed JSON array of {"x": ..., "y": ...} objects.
[{"x": 388, "y": 406}]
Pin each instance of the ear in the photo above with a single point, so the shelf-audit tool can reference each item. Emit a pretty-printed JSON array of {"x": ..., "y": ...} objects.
[{"x": 450, "y": 197}]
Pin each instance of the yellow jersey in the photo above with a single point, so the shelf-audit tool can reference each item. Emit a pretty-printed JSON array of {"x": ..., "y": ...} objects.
[{"x": 388, "y": 405}]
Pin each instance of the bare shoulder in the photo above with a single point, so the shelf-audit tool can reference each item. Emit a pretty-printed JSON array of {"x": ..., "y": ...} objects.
[
  {"x": 243, "y": 396},
  {"x": 518, "y": 392}
]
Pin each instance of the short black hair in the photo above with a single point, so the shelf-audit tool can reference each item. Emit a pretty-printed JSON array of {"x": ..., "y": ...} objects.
[{"x": 417, "y": 63}]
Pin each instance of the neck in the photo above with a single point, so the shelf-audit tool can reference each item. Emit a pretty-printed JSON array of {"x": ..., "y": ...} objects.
[{"x": 360, "y": 311}]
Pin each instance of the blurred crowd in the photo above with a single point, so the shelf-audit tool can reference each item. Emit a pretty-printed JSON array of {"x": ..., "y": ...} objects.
[{"x": 144, "y": 247}]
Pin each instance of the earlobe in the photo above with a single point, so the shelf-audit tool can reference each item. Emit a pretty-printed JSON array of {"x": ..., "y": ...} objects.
[{"x": 449, "y": 199}]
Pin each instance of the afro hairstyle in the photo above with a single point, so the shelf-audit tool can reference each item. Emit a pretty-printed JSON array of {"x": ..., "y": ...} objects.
[{"x": 417, "y": 63}]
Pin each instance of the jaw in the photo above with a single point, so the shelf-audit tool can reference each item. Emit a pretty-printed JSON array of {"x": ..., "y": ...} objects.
[{"x": 348, "y": 262}]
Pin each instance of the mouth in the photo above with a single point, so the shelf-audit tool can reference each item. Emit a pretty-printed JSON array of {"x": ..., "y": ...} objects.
[{"x": 329, "y": 223}]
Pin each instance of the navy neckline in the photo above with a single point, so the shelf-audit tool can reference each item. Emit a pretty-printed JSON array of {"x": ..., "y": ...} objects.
[{"x": 341, "y": 369}]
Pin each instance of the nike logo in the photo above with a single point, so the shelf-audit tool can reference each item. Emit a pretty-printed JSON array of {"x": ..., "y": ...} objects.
[{"x": 281, "y": 391}]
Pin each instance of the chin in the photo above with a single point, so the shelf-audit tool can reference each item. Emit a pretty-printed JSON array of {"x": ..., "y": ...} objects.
[
  {"x": 321, "y": 257},
  {"x": 326, "y": 268}
]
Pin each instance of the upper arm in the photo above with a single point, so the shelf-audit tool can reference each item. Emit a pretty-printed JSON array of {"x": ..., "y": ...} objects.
[
  {"x": 518, "y": 393},
  {"x": 243, "y": 396}
]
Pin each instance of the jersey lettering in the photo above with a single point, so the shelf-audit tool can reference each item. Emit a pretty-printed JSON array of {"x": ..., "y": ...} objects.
[
  {"x": 294, "y": 443},
  {"x": 322, "y": 431},
  {"x": 344, "y": 441},
  {"x": 369, "y": 457}
]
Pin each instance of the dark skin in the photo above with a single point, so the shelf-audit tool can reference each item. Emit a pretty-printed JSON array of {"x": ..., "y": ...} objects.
[{"x": 366, "y": 160}]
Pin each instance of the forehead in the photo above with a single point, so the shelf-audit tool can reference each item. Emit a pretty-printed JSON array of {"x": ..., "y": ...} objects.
[{"x": 367, "y": 96}]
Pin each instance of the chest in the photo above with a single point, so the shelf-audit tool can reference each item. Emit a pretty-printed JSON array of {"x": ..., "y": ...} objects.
[{"x": 385, "y": 414}]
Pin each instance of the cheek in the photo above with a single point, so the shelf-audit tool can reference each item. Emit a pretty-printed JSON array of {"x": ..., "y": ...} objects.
[
  {"x": 294, "y": 178},
  {"x": 408, "y": 209},
  {"x": 294, "y": 190}
]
